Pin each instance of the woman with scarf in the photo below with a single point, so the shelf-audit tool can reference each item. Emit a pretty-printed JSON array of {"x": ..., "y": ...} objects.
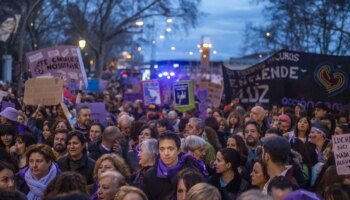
[
  {"x": 159, "y": 181},
  {"x": 41, "y": 170},
  {"x": 227, "y": 178},
  {"x": 147, "y": 157},
  {"x": 194, "y": 148}
]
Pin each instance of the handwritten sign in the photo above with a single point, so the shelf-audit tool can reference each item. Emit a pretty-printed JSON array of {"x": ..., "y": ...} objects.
[
  {"x": 214, "y": 92},
  {"x": 61, "y": 61},
  {"x": 44, "y": 91},
  {"x": 341, "y": 149}
]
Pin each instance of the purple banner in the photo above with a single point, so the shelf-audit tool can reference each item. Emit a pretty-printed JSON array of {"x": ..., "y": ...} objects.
[{"x": 98, "y": 111}]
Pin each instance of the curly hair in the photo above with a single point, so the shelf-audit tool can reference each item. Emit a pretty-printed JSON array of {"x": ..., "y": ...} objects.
[
  {"x": 118, "y": 162},
  {"x": 64, "y": 183}
]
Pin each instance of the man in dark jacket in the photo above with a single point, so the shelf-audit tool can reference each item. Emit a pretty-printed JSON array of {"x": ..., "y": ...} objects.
[{"x": 111, "y": 140}]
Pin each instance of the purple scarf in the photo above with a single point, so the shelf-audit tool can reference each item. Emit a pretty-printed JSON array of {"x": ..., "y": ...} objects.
[
  {"x": 199, "y": 163},
  {"x": 167, "y": 172}
]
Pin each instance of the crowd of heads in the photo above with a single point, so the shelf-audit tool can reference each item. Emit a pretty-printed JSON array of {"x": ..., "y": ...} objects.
[{"x": 156, "y": 152}]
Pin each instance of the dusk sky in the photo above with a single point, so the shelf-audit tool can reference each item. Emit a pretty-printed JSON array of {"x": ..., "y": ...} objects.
[{"x": 223, "y": 23}]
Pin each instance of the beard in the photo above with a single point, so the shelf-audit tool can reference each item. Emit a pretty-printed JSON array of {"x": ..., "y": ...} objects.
[
  {"x": 60, "y": 148},
  {"x": 251, "y": 141}
]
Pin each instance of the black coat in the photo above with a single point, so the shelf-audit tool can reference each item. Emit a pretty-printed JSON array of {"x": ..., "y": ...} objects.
[
  {"x": 163, "y": 188},
  {"x": 86, "y": 167},
  {"x": 96, "y": 150},
  {"x": 233, "y": 189}
]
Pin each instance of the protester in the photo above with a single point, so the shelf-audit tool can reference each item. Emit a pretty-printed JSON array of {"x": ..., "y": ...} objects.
[
  {"x": 185, "y": 180},
  {"x": 8, "y": 135},
  {"x": 109, "y": 183},
  {"x": 157, "y": 181},
  {"x": 60, "y": 143},
  {"x": 130, "y": 193},
  {"x": 259, "y": 175},
  {"x": 106, "y": 163},
  {"x": 227, "y": 178},
  {"x": 95, "y": 132},
  {"x": 23, "y": 142},
  {"x": 7, "y": 177},
  {"x": 203, "y": 191},
  {"x": 77, "y": 159},
  {"x": 147, "y": 157},
  {"x": 41, "y": 170}
]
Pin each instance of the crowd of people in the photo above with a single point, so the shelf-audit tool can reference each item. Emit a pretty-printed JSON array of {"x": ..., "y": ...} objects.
[{"x": 157, "y": 153}]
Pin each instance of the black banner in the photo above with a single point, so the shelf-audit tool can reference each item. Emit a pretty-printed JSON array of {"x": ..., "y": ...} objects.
[{"x": 289, "y": 78}]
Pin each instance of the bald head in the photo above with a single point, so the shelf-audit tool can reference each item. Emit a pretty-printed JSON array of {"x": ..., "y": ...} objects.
[
  {"x": 124, "y": 123},
  {"x": 257, "y": 113}
]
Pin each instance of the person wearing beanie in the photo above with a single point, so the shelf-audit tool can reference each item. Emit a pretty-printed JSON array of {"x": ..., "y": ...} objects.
[
  {"x": 319, "y": 148},
  {"x": 284, "y": 123},
  {"x": 9, "y": 115}
]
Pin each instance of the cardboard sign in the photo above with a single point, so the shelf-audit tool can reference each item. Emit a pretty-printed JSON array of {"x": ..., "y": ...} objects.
[
  {"x": 183, "y": 95},
  {"x": 6, "y": 104},
  {"x": 214, "y": 92},
  {"x": 61, "y": 61},
  {"x": 151, "y": 92},
  {"x": 341, "y": 149},
  {"x": 98, "y": 112},
  {"x": 44, "y": 91}
]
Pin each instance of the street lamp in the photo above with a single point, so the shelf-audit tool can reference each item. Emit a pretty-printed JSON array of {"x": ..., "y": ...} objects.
[
  {"x": 139, "y": 23},
  {"x": 82, "y": 44}
]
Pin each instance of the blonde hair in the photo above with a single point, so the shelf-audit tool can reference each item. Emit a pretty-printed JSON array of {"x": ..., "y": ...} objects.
[
  {"x": 124, "y": 190},
  {"x": 118, "y": 163},
  {"x": 203, "y": 191}
]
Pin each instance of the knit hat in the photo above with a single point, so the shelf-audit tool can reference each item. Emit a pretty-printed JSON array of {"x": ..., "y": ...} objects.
[
  {"x": 322, "y": 105},
  {"x": 302, "y": 195},
  {"x": 284, "y": 118},
  {"x": 321, "y": 128},
  {"x": 10, "y": 114}
]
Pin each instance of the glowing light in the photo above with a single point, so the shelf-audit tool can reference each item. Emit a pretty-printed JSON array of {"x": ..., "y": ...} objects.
[
  {"x": 268, "y": 34},
  {"x": 91, "y": 62},
  {"x": 160, "y": 75},
  {"x": 124, "y": 75},
  {"x": 139, "y": 23},
  {"x": 190, "y": 53},
  {"x": 172, "y": 74},
  {"x": 260, "y": 55},
  {"x": 198, "y": 46},
  {"x": 128, "y": 57},
  {"x": 200, "y": 50},
  {"x": 176, "y": 65},
  {"x": 139, "y": 48},
  {"x": 168, "y": 77},
  {"x": 165, "y": 73},
  {"x": 169, "y": 20},
  {"x": 204, "y": 56},
  {"x": 161, "y": 37},
  {"x": 168, "y": 30},
  {"x": 153, "y": 42},
  {"x": 155, "y": 66},
  {"x": 215, "y": 52},
  {"x": 173, "y": 48},
  {"x": 82, "y": 44},
  {"x": 206, "y": 45}
]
